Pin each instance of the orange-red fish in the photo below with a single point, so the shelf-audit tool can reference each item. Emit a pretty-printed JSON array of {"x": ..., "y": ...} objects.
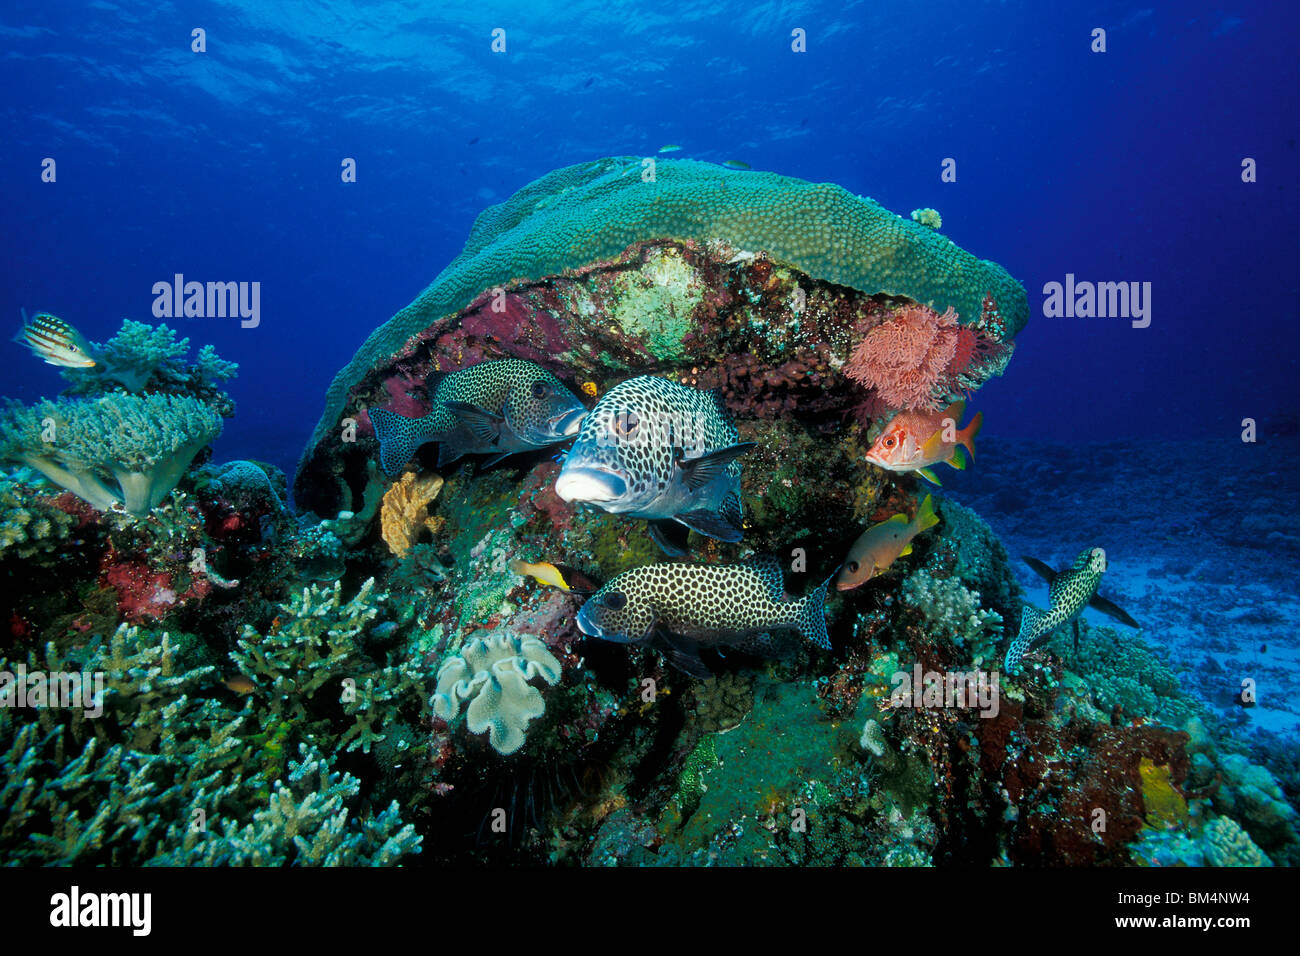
[
  {"x": 882, "y": 544},
  {"x": 914, "y": 441}
]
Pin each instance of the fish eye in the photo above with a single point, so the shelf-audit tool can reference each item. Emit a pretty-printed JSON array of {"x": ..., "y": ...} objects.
[
  {"x": 626, "y": 424},
  {"x": 615, "y": 600},
  {"x": 541, "y": 389},
  {"x": 853, "y": 566},
  {"x": 890, "y": 442},
  {"x": 73, "y": 348}
]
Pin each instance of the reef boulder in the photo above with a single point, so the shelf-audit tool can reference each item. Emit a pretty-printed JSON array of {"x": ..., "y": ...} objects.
[{"x": 757, "y": 283}]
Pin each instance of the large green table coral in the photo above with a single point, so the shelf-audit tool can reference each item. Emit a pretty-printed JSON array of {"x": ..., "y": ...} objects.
[{"x": 593, "y": 211}]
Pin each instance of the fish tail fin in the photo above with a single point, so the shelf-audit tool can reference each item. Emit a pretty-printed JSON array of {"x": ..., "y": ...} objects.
[
  {"x": 811, "y": 615},
  {"x": 926, "y": 517},
  {"x": 967, "y": 435},
  {"x": 399, "y": 438}
]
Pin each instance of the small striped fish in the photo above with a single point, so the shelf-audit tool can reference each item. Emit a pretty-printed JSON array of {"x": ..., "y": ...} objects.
[{"x": 55, "y": 341}]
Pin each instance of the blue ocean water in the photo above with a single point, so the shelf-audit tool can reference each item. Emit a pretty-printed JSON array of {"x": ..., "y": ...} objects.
[{"x": 1117, "y": 166}]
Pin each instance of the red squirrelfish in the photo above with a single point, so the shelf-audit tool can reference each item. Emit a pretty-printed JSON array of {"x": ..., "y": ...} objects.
[
  {"x": 55, "y": 341},
  {"x": 913, "y": 441}
]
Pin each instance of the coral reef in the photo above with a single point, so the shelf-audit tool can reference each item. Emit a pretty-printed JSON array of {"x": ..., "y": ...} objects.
[
  {"x": 954, "y": 612},
  {"x": 813, "y": 249},
  {"x": 32, "y": 526},
  {"x": 125, "y": 450},
  {"x": 919, "y": 359},
  {"x": 363, "y": 679},
  {"x": 143, "y": 358},
  {"x": 1227, "y": 844},
  {"x": 170, "y": 774}
]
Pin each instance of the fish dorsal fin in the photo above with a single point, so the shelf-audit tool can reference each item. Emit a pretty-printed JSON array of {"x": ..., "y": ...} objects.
[
  {"x": 433, "y": 380},
  {"x": 485, "y": 426},
  {"x": 899, "y": 518},
  {"x": 1099, "y": 603},
  {"x": 1043, "y": 571},
  {"x": 770, "y": 572},
  {"x": 955, "y": 411},
  {"x": 698, "y": 472}
]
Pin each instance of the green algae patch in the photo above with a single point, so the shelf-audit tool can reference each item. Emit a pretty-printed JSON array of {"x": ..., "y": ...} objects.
[
  {"x": 655, "y": 303},
  {"x": 776, "y": 762}
]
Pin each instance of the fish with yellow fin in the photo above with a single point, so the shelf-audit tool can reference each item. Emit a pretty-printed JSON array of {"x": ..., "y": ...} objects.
[
  {"x": 554, "y": 576},
  {"x": 52, "y": 339},
  {"x": 882, "y": 544},
  {"x": 916, "y": 441}
]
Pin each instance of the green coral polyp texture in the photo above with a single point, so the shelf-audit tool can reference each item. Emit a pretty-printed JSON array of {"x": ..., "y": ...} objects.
[
  {"x": 593, "y": 211},
  {"x": 119, "y": 449}
]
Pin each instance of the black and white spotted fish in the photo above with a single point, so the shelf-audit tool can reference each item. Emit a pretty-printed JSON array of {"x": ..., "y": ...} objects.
[
  {"x": 1069, "y": 592},
  {"x": 54, "y": 340},
  {"x": 653, "y": 449},
  {"x": 498, "y": 408},
  {"x": 680, "y": 607}
]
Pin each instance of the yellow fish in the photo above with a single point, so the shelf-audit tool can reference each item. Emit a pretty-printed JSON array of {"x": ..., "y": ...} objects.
[
  {"x": 882, "y": 544},
  {"x": 543, "y": 573}
]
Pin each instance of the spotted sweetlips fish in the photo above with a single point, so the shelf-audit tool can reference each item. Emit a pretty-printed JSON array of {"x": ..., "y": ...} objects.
[
  {"x": 664, "y": 452},
  {"x": 679, "y": 607},
  {"x": 54, "y": 340},
  {"x": 916, "y": 441},
  {"x": 1069, "y": 592},
  {"x": 498, "y": 408}
]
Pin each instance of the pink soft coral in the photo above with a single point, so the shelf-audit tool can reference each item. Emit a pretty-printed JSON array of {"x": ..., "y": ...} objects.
[{"x": 911, "y": 358}]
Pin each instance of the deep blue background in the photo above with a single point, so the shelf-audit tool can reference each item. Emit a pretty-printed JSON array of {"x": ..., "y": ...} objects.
[{"x": 225, "y": 166}]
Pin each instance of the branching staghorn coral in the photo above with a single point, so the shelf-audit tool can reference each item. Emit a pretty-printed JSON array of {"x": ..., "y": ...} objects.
[
  {"x": 166, "y": 776},
  {"x": 126, "y": 450},
  {"x": 314, "y": 650}
]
